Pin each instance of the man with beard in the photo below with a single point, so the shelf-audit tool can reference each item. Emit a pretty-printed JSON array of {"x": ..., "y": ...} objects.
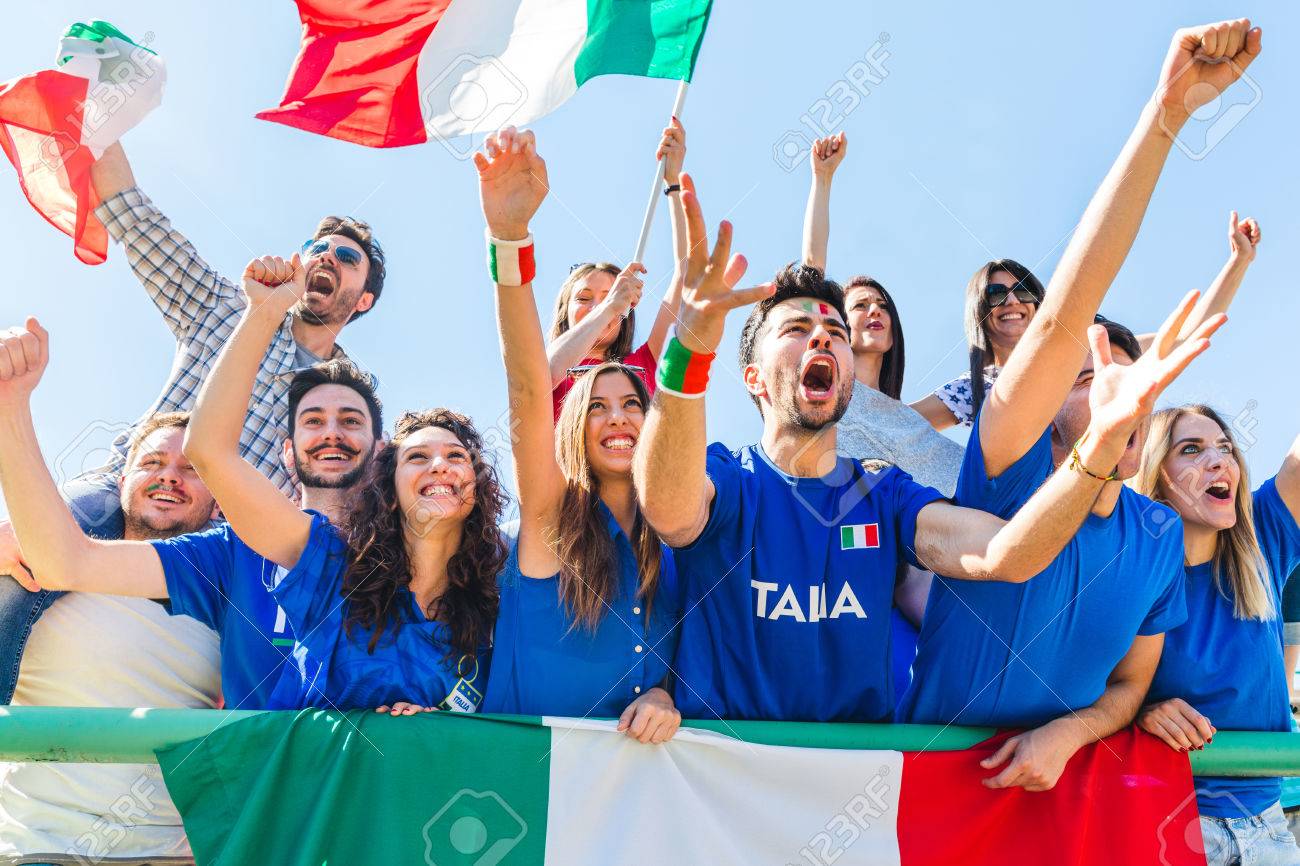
[
  {"x": 345, "y": 277},
  {"x": 334, "y": 424},
  {"x": 1072, "y": 652},
  {"x": 788, "y": 554},
  {"x": 107, "y": 651}
]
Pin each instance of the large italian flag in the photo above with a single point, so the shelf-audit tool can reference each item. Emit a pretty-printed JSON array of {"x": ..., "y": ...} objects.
[
  {"x": 451, "y": 790},
  {"x": 55, "y": 123},
  {"x": 386, "y": 73}
]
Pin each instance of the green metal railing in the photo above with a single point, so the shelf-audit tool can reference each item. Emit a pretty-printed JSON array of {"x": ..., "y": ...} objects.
[{"x": 116, "y": 736}]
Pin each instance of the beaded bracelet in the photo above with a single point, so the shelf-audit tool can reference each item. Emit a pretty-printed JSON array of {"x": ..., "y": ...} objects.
[{"x": 1076, "y": 463}]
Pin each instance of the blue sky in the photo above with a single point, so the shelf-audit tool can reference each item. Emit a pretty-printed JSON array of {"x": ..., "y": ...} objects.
[{"x": 991, "y": 128}]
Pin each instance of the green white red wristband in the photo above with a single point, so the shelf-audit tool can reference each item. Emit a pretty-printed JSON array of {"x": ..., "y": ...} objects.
[
  {"x": 511, "y": 263},
  {"x": 683, "y": 373}
]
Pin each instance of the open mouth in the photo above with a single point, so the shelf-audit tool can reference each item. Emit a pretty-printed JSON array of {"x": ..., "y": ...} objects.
[
  {"x": 619, "y": 442},
  {"x": 818, "y": 378},
  {"x": 322, "y": 281},
  {"x": 1011, "y": 317},
  {"x": 332, "y": 454},
  {"x": 437, "y": 488},
  {"x": 166, "y": 496},
  {"x": 1219, "y": 490}
]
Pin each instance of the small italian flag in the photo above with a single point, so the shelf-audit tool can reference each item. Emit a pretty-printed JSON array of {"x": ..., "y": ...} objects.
[
  {"x": 859, "y": 536},
  {"x": 388, "y": 73},
  {"x": 451, "y": 789},
  {"x": 55, "y": 123}
]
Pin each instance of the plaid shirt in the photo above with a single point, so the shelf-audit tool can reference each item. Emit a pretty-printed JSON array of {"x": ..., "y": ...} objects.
[{"x": 201, "y": 308}]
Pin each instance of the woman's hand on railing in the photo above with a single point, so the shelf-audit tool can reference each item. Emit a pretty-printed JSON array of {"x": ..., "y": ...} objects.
[{"x": 1177, "y": 723}]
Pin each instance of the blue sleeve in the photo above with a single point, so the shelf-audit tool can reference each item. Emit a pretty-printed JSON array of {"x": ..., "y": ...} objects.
[
  {"x": 1002, "y": 496},
  {"x": 908, "y": 500},
  {"x": 1278, "y": 534},
  {"x": 197, "y": 567},
  {"x": 310, "y": 592},
  {"x": 723, "y": 469},
  {"x": 1170, "y": 608}
]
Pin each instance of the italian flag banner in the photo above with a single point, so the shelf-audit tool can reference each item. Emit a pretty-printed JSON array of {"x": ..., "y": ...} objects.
[
  {"x": 388, "y": 73},
  {"x": 55, "y": 123},
  {"x": 451, "y": 790}
]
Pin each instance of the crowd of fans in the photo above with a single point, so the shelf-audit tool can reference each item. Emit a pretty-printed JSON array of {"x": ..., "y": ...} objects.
[{"x": 259, "y": 542}]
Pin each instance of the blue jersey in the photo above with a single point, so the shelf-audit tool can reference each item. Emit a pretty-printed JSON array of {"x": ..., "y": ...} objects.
[
  {"x": 337, "y": 671},
  {"x": 1231, "y": 669},
  {"x": 545, "y": 664},
  {"x": 1021, "y": 654},
  {"x": 221, "y": 582},
  {"x": 788, "y": 591}
]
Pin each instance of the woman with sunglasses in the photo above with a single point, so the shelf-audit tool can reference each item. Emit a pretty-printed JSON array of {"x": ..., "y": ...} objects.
[
  {"x": 588, "y": 611},
  {"x": 595, "y": 319},
  {"x": 1223, "y": 667},
  {"x": 1001, "y": 300}
]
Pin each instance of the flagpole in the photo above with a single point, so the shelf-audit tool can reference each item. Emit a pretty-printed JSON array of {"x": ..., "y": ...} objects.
[{"x": 656, "y": 189}]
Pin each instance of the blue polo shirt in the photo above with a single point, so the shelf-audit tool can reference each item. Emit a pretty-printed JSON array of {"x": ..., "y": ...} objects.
[
  {"x": 545, "y": 664},
  {"x": 788, "y": 591},
  {"x": 330, "y": 669},
  {"x": 1231, "y": 669},
  {"x": 1014, "y": 655},
  {"x": 218, "y": 580}
]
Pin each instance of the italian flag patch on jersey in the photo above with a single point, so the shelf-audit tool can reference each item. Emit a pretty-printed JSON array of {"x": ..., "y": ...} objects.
[{"x": 859, "y": 536}]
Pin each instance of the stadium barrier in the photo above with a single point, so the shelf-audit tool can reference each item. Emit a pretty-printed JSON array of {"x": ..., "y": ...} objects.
[{"x": 126, "y": 736}]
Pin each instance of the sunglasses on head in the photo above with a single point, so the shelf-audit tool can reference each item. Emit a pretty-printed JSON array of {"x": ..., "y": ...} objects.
[
  {"x": 345, "y": 255},
  {"x": 997, "y": 294},
  {"x": 587, "y": 368}
]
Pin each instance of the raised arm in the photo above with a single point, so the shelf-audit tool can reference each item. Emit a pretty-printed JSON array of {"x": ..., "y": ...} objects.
[
  {"x": 1202, "y": 62},
  {"x": 257, "y": 511},
  {"x": 512, "y": 184},
  {"x": 672, "y": 150},
  {"x": 669, "y": 465},
  {"x": 1288, "y": 480},
  {"x": 570, "y": 348},
  {"x": 55, "y": 549},
  {"x": 1036, "y": 759},
  {"x": 181, "y": 284},
  {"x": 826, "y": 156},
  {"x": 1243, "y": 241},
  {"x": 969, "y": 544}
]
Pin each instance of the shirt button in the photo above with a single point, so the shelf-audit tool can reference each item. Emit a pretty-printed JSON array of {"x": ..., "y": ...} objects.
[
  {"x": 639, "y": 647},
  {"x": 636, "y": 690},
  {"x": 636, "y": 610}
]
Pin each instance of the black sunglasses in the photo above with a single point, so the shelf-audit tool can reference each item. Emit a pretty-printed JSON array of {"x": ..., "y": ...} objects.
[
  {"x": 345, "y": 255},
  {"x": 997, "y": 294}
]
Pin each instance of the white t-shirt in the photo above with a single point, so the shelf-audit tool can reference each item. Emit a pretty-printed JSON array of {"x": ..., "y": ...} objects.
[{"x": 104, "y": 651}]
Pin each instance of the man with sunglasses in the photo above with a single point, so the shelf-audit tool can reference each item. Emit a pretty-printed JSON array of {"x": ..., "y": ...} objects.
[{"x": 345, "y": 276}]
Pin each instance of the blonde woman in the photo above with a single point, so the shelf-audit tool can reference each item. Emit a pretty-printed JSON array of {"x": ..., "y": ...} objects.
[
  {"x": 1223, "y": 667},
  {"x": 587, "y": 622}
]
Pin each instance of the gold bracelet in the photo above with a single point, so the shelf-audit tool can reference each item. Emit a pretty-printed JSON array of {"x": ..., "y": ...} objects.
[{"x": 1076, "y": 463}]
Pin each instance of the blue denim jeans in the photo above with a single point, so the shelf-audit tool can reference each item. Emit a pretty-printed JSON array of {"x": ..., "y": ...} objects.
[
  {"x": 1261, "y": 840},
  {"x": 95, "y": 503}
]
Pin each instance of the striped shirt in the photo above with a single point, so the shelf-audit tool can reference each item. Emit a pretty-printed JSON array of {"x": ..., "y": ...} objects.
[{"x": 201, "y": 308}]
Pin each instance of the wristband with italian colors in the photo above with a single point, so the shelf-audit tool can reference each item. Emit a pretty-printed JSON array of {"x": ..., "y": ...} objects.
[
  {"x": 511, "y": 263},
  {"x": 682, "y": 372}
]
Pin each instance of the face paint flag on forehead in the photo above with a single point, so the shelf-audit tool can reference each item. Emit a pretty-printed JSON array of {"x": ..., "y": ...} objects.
[{"x": 55, "y": 123}]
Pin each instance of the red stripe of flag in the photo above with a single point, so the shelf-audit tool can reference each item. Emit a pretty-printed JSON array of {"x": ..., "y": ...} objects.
[{"x": 355, "y": 75}]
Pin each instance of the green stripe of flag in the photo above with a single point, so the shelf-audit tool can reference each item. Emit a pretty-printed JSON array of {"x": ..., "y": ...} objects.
[{"x": 653, "y": 38}]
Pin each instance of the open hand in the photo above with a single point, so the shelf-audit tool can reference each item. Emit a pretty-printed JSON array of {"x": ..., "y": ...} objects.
[
  {"x": 1122, "y": 395},
  {"x": 710, "y": 280},
  {"x": 512, "y": 182},
  {"x": 651, "y": 718},
  {"x": 24, "y": 354},
  {"x": 275, "y": 284},
  {"x": 1203, "y": 62},
  {"x": 1243, "y": 237}
]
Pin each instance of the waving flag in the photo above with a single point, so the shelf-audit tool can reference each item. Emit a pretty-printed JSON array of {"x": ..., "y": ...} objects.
[
  {"x": 55, "y": 123},
  {"x": 387, "y": 73},
  {"x": 453, "y": 790}
]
